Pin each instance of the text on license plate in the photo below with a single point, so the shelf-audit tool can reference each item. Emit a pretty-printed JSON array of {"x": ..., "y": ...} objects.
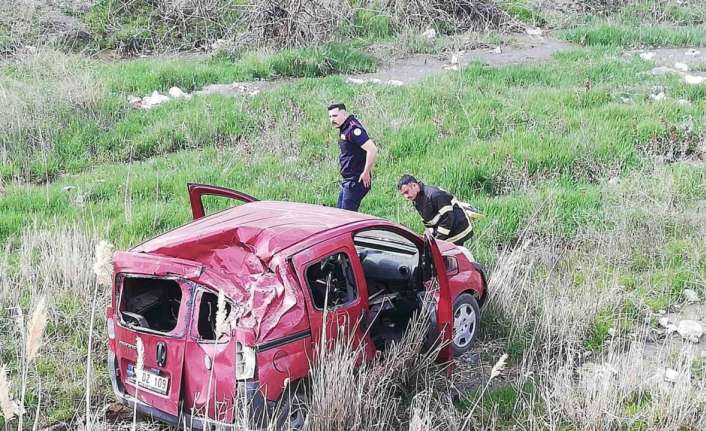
[{"x": 149, "y": 380}]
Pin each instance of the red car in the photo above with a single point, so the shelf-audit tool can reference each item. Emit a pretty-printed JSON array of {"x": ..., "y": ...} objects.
[{"x": 278, "y": 265}]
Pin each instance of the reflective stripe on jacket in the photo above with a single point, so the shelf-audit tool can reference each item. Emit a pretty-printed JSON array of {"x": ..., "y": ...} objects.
[{"x": 449, "y": 218}]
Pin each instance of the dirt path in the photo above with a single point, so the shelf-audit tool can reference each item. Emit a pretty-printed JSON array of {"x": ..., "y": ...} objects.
[{"x": 408, "y": 70}]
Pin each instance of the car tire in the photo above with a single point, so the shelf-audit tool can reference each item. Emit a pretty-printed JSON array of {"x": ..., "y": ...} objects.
[
  {"x": 293, "y": 409},
  {"x": 466, "y": 314}
]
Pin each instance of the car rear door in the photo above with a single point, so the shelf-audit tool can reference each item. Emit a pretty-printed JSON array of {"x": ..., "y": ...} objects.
[
  {"x": 160, "y": 382},
  {"x": 435, "y": 278}
]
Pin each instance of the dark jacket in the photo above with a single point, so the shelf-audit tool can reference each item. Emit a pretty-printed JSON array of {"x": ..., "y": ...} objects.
[{"x": 449, "y": 219}]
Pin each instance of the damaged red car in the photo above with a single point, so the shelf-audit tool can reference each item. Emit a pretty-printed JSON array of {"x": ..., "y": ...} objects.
[{"x": 286, "y": 272}]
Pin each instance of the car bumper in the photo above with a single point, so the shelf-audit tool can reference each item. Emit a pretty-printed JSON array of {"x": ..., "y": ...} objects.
[{"x": 260, "y": 410}]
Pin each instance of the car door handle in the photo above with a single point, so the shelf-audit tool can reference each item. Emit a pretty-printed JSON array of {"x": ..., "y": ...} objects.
[{"x": 161, "y": 353}]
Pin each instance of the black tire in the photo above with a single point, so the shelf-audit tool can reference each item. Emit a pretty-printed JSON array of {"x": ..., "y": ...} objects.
[
  {"x": 466, "y": 314},
  {"x": 293, "y": 409}
]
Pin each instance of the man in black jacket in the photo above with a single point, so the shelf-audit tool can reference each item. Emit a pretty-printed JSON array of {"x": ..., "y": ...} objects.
[{"x": 448, "y": 218}]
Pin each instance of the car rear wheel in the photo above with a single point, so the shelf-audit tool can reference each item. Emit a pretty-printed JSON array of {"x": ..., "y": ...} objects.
[{"x": 466, "y": 322}]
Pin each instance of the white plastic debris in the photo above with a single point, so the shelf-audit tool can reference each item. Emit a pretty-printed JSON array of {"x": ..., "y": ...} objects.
[
  {"x": 662, "y": 70},
  {"x": 395, "y": 82},
  {"x": 670, "y": 375},
  {"x": 454, "y": 58},
  {"x": 429, "y": 33},
  {"x": 153, "y": 100},
  {"x": 691, "y": 295},
  {"x": 681, "y": 66},
  {"x": 135, "y": 102},
  {"x": 663, "y": 322},
  {"x": 692, "y": 53},
  {"x": 647, "y": 56},
  {"x": 613, "y": 181},
  {"x": 694, "y": 79},
  {"x": 68, "y": 188},
  {"x": 690, "y": 330},
  {"x": 177, "y": 93},
  {"x": 497, "y": 50},
  {"x": 534, "y": 31},
  {"x": 684, "y": 102},
  {"x": 658, "y": 97}
]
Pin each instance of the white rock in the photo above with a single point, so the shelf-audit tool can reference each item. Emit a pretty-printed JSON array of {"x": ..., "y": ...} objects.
[
  {"x": 429, "y": 33},
  {"x": 692, "y": 53},
  {"x": 663, "y": 322},
  {"x": 647, "y": 55},
  {"x": 670, "y": 375},
  {"x": 177, "y": 93},
  {"x": 681, "y": 66},
  {"x": 690, "y": 330},
  {"x": 534, "y": 31},
  {"x": 658, "y": 97},
  {"x": 691, "y": 295},
  {"x": 684, "y": 102},
  {"x": 694, "y": 79}
]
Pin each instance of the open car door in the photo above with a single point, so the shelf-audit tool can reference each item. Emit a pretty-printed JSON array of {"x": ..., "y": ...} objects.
[
  {"x": 198, "y": 191},
  {"x": 433, "y": 262}
]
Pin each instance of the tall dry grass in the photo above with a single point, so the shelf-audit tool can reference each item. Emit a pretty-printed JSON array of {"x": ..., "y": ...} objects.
[{"x": 56, "y": 265}]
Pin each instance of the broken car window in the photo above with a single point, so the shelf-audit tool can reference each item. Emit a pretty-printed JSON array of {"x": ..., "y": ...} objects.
[
  {"x": 208, "y": 309},
  {"x": 331, "y": 281},
  {"x": 151, "y": 303}
]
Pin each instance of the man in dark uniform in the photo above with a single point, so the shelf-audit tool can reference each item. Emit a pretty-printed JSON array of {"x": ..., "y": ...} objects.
[
  {"x": 448, "y": 218},
  {"x": 357, "y": 158}
]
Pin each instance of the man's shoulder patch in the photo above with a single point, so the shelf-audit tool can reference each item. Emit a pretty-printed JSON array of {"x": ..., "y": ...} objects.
[{"x": 357, "y": 131}]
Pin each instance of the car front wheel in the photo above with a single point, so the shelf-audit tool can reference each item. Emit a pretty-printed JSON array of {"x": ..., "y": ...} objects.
[{"x": 466, "y": 322}]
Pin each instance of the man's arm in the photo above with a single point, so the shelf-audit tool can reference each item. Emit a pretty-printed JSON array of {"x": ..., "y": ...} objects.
[{"x": 371, "y": 153}]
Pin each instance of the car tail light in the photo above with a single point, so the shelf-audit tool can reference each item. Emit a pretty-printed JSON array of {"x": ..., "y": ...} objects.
[
  {"x": 244, "y": 361},
  {"x": 451, "y": 265}
]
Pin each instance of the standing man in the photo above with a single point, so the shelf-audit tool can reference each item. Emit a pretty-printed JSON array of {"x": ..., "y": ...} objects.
[
  {"x": 449, "y": 219},
  {"x": 357, "y": 158}
]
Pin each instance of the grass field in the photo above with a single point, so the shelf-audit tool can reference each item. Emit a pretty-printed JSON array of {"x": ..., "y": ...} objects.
[{"x": 594, "y": 197}]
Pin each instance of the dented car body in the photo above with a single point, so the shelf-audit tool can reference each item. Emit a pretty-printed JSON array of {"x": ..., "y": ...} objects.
[{"x": 288, "y": 273}]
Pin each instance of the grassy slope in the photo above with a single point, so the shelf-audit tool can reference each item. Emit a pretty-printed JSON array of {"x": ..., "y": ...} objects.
[
  {"x": 644, "y": 23},
  {"x": 525, "y": 143}
]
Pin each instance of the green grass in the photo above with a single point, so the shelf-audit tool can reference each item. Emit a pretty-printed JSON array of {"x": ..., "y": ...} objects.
[
  {"x": 643, "y": 23},
  {"x": 532, "y": 145}
]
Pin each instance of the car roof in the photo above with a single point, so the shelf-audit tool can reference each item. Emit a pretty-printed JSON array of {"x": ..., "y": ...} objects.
[{"x": 262, "y": 227}]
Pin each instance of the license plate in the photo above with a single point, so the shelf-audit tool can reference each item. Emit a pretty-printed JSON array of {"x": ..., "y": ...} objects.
[{"x": 149, "y": 380}]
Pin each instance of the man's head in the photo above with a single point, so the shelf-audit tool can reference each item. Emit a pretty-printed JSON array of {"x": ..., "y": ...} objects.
[
  {"x": 337, "y": 114},
  {"x": 409, "y": 187}
]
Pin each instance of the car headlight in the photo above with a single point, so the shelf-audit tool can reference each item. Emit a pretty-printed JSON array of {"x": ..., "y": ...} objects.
[{"x": 244, "y": 361}]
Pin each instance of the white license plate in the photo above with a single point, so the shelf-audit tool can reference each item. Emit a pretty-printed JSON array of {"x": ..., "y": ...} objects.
[{"x": 154, "y": 382}]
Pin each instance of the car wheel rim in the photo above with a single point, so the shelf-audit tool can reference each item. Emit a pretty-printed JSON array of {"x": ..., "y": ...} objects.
[{"x": 464, "y": 325}]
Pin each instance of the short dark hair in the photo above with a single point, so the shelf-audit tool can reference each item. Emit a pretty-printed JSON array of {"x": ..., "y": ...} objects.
[
  {"x": 406, "y": 179},
  {"x": 337, "y": 106}
]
